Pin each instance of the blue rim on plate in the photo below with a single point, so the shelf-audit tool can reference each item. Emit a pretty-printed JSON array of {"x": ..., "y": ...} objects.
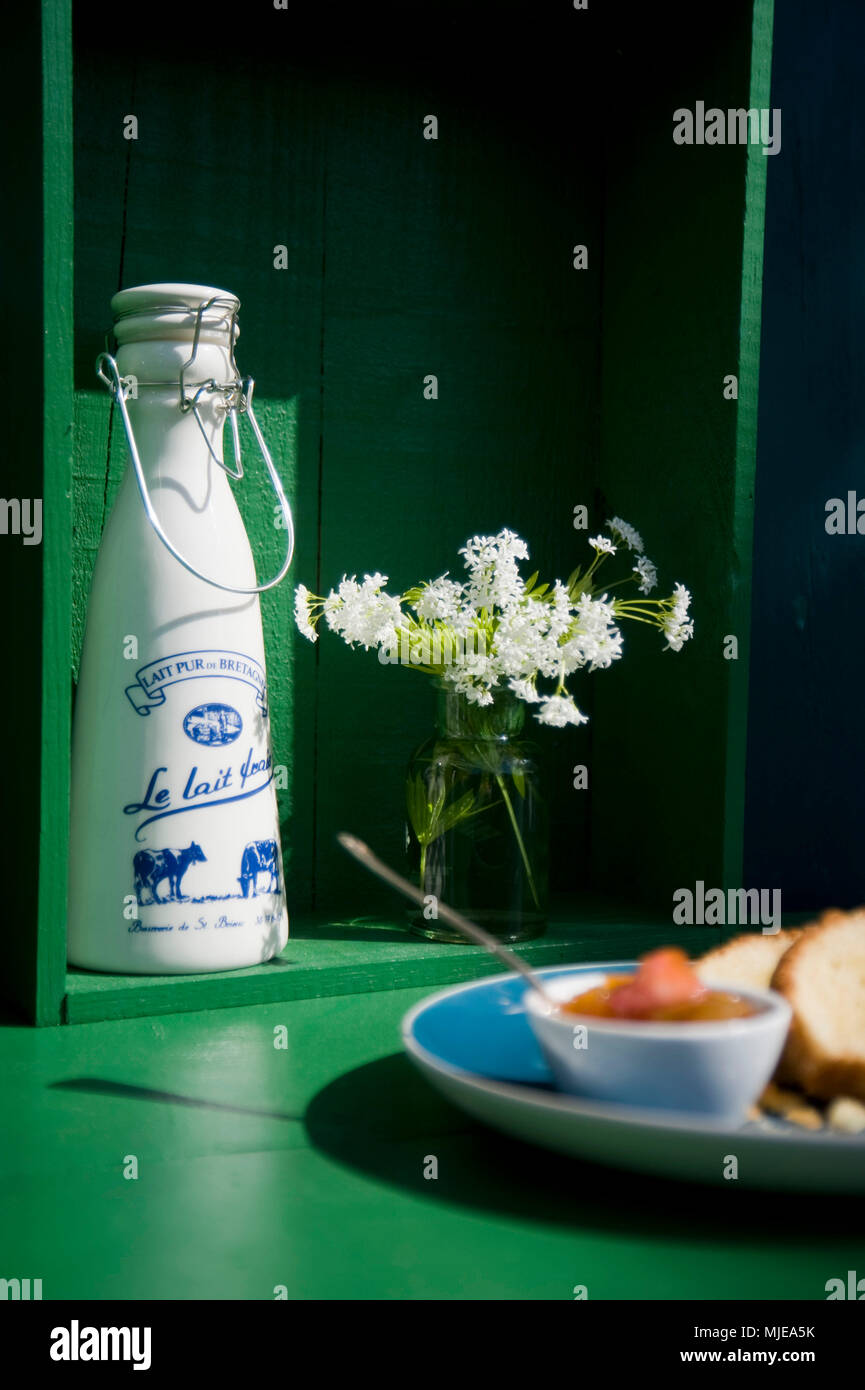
[{"x": 474, "y": 1043}]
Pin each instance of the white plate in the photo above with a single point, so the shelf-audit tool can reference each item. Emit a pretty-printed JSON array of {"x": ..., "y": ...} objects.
[{"x": 475, "y": 1045}]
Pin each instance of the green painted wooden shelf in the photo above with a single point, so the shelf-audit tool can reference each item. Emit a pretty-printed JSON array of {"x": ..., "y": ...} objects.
[{"x": 326, "y": 957}]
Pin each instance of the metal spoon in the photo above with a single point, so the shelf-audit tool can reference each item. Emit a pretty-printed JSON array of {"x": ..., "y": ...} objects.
[{"x": 364, "y": 855}]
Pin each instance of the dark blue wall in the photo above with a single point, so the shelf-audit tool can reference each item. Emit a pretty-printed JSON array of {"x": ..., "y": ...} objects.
[{"x": 805, "y": 822}]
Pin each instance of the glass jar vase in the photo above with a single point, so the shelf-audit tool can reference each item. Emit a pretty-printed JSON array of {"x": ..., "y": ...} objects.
[{"x": 477, "y": 835}]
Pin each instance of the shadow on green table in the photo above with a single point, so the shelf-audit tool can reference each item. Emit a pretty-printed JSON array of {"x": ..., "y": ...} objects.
[{"x": 383, "y": 1119}]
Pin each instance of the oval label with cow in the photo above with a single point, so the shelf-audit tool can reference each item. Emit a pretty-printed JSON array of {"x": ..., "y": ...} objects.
[{"x": 213, "y": 725}]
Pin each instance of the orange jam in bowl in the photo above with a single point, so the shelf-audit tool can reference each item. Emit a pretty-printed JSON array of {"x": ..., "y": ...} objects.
[
  {"x": 714, "y": 1005},
  {"x": 665, "y": 989}
]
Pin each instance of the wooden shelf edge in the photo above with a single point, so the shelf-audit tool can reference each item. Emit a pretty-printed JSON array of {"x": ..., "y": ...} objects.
[{"x": 312, "y": 968}]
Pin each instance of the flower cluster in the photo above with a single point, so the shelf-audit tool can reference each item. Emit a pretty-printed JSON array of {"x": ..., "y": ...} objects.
[
  {"x": 495, "y": 628},
  {"x": 678, "y": 627}
]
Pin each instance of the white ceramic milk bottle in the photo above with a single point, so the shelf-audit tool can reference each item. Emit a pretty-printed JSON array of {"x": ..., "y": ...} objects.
[{"x": 175, "y": 861}]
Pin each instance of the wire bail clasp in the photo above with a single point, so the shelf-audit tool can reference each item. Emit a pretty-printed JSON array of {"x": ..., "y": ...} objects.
[
  {"x": 237, "y": 396},
  {"x": 235, "y": 393}
]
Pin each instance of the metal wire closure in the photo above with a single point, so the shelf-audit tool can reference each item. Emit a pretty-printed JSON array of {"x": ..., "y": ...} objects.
[
  {"x": 233, "y": 392},
  {"x": 237, "y": 398}
]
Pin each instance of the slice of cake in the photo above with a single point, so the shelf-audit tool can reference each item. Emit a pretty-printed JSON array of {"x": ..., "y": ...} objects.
[{"x": 822, "y": 976}]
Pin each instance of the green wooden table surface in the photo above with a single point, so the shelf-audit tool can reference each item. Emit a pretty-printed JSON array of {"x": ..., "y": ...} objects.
[{"x": 303, "y": 1167}]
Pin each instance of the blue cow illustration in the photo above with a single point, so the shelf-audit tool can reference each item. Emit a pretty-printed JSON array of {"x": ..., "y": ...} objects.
[
  {"x": 153, "y": 865},
  {"x": 259, "y": 857}
]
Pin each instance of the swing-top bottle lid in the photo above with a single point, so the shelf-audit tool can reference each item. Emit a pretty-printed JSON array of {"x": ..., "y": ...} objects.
[
  {"x": 173, "y": 310},
  {"x": 146, "y": 316}
]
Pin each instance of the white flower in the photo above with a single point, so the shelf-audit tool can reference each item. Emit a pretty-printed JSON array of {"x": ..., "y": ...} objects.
[
  {"x": 478, "y": 695},
  {"x": 474, "y": 675},
  {"x": 494, "y": 578},
  {"x": 677, "y": 626},
  {"x": 596, "y": 640},
  {"x": 528, "y": 636},
  {"x": 648, "y": 574},
  {"x": 524, "y": 690},
  {"x": 301, "y": 612},
  {"x": 602, "y": 544},
  {"x": 561, "y": 610},
  {"x": 522, "y": 642},
  {"x": 481, "y": 551},
  {"x": 682, "y": 599},
  {"x": 440, "y": 601},
  {"x": 361, "y": 613},
  {"x": 487, "y": 632},
  {"x": 633, "y": 540},
  {"x": 560, "y": 710},
  {"x": 332, "y": 607}
]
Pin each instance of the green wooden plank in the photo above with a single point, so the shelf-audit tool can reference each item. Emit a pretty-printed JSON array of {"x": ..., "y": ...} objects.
[
  {"x": 746, "y": 453},
  {"x": 92, "y": 425},
  {"x": 677, "y": 458},
  {"x": 56, "y": 682},
  {"x": 325, "y": 957},
  {"x": 36, "y": 579},
  {"x": 21, "y": 567},
  {"x": 103, "y": 95}
]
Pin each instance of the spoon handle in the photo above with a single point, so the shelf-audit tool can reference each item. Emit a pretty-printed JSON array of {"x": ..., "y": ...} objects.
[{"x": 364, "y": 855}]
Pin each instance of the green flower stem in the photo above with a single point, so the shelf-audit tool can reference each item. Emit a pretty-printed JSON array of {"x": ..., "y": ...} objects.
[
  {"x": 636, "y": 618},
  {"x": 428, "y": 838},
  {"x": 528, "y": 868},
  {"x": 600, "y": 556}
]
